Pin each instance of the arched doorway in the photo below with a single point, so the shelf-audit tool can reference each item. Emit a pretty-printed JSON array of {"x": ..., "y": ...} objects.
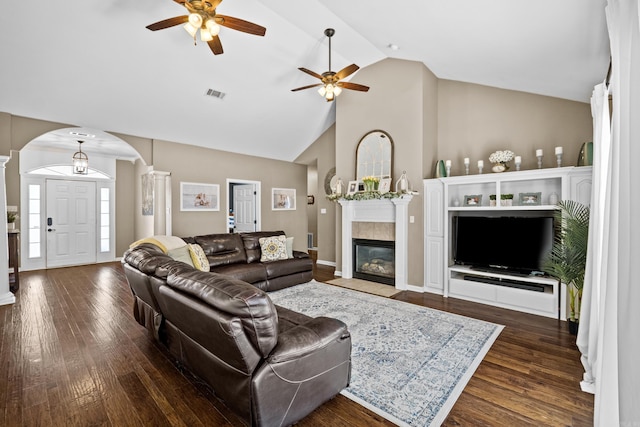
[{"x": 69, "y": 218}]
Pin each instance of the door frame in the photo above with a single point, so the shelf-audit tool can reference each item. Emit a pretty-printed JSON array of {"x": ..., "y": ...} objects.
[{"x": 258, "y": 197}]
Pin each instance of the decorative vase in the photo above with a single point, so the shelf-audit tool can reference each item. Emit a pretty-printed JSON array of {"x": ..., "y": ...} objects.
[
  {"x": 370, "y": 186},
  {"x": 500, "y": 167}
]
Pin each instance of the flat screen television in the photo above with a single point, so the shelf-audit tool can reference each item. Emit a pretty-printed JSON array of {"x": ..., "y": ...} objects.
[{"x": 506, "y": 243}]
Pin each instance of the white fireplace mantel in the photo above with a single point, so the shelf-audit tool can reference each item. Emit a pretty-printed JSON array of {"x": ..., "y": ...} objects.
[{"x": 394, "y": 210}]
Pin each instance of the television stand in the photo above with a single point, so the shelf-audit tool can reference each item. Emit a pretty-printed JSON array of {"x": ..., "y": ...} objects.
[{"x": 530, "y": 294}]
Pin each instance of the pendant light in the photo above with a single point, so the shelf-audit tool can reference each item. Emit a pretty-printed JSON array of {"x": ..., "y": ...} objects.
[{"x": 80, "y": 161}]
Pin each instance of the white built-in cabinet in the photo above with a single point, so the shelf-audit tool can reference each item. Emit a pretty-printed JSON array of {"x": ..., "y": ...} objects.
[{"x": 444, "y": 198}]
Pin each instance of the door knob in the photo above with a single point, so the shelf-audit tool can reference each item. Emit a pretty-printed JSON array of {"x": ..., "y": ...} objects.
[{"x": 51, "y": 229}]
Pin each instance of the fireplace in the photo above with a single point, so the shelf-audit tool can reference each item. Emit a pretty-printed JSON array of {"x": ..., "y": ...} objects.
[{"x": 374, "y": 260}]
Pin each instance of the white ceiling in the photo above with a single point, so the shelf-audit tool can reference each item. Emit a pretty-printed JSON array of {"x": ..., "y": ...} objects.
[{"x": 94, "y": 64}]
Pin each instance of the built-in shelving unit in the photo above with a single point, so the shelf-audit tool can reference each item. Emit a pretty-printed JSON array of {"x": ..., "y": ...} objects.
[{"x": 533, "y": 193}]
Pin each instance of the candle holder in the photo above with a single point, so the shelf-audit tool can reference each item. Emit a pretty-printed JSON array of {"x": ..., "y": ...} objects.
[
  {"x": 466, "y": 169},
  {"x": 480, "y": 167},
  {"x": 448, "y": 170},
  {"x": 539, "y": 161},
  {"x": 559, "y": 159}
]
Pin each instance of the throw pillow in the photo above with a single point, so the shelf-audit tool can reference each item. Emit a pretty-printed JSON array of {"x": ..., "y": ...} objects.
[
  {"x": 181, "y": 254},
  {"x": 198, "y": 257},
  {"x": 273, "y": 248},
  {"x": 289, "y": 247}
]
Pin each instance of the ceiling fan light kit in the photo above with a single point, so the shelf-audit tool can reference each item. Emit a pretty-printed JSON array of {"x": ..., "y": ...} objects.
[
  {"x": 203, "y": 16},
  {"x": 332, "y": 85}
]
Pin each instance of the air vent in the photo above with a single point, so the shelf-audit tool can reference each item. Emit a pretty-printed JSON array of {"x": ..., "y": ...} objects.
[
  {"x": 81, "y": 134},
  {"x": 215, "y": 93}
]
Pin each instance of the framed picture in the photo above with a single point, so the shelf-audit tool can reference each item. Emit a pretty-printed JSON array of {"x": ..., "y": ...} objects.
[
  {"x": 311, "y": 200},
  {"x": 147, "y": 194},
  {"x": 283, "y": 199},
  {"x": 195, "y": 196},
  {"x": 530, "y": 199},
  {"x": 385, "y": 185},
  {"x": 473, "y": 200},
  {"x": 353, "y": 187}
]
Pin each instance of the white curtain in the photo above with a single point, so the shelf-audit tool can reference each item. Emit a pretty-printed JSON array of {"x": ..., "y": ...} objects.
[{"x": 608, "y": 337}]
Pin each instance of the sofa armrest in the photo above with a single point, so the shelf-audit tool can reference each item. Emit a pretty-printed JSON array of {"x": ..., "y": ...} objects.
[
  {"x": 299, "y": 254},
  {"x": 307, "y": 338}
]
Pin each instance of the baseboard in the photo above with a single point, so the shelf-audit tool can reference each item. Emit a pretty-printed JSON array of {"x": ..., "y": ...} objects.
[{"x": 329, "y": 263}]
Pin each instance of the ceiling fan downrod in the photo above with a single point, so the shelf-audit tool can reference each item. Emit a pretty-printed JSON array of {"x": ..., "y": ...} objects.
[{"x": 329, "y": 32}]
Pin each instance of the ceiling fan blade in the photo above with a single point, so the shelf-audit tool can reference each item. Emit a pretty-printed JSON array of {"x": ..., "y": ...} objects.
[
  {"x": 353, "y": 86},
  {"x": 216, "y": 45},
  {"x": 240, "y": 25},
  {"x": 171, "y": 22},
  {"x": 306, "y": 87},
  {"x": 179, "y": 1},
  {"x": 311, "y": 73},
  {"x": 347, "y": 71}
]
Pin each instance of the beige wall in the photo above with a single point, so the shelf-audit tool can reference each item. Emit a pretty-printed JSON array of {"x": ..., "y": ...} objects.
[
  {"x": 475, "y": 121},
  {"x": 196, "y": 164},
  {"x": 125, "y": 205},
  {"x": 323, "y": 153}
]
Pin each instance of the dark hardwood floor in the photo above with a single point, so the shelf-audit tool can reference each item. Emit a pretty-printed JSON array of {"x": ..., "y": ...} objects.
[{"x": 72, "y": 354}]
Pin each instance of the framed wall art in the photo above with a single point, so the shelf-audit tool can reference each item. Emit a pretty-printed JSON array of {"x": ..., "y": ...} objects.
[
  {"x": 283, "y": 199},
  {"x": 195, "y": 196}
]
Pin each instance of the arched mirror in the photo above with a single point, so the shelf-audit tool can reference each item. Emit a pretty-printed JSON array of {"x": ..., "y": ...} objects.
[{"x": 374, "y": 155}]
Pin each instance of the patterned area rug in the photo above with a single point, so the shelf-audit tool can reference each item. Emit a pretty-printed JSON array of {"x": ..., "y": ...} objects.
[{"x": 409, "y": 363}]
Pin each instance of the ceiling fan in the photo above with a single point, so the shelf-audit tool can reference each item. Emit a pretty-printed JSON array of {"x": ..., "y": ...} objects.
[
  {"x": 202, "y": 16},
  {"x": 331, "y": 84}
]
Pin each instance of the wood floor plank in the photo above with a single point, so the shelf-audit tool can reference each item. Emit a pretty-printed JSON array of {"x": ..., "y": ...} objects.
[{"x": 72, "y": 354}]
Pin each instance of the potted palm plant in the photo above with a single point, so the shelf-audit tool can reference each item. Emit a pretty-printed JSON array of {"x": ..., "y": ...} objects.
[{"x": 568, "y": 257}]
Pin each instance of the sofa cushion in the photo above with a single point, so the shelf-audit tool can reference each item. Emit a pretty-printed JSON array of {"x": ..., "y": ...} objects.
[
  {"x": 250, "y": 273},
  {"x": 291, "y": 266},
  {"x": 273, "y": 248},
  {"x": 252, "y": 243},
  {"x": 239, "y": 299},
  {"x": 222, "y": 249},
  {"x": 198, "y": 257}
]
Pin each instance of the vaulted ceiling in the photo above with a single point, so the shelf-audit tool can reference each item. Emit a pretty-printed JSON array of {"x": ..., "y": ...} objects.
[{"x": 94, "y": 64}]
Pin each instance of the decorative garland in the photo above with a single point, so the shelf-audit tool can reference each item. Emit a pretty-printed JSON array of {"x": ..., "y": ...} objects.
[{"x": 364, "y": 195}]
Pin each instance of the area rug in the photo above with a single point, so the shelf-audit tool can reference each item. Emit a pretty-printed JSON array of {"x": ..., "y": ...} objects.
[
  {"x": 366, "y": 286},
  {"x": 409, "y": 363}
]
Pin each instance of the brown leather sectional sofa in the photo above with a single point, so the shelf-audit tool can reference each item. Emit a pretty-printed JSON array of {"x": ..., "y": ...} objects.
[{"x": 271, "y": 365}]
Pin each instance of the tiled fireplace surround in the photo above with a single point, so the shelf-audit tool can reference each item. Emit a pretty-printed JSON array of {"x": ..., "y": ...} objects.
[{"x": 383, "y": 219}]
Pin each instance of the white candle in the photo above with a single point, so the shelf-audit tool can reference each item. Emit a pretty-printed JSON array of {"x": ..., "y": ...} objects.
[
  {"x": 466, "y": 161},
  {"x": 539, "y": 152},
  {"x": 558, "y": 150},
  {"x": 447, "y": 163},
  {"x": 480, "y": 163},
  {"x": 518, "y": 160}
]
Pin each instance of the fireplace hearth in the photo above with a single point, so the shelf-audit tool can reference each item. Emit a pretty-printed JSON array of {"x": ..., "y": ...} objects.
[{"x": 374, "y": 260}]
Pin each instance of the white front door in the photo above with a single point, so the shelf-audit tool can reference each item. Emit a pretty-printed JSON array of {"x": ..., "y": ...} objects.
[
  {"x": 71, "y": 223},
  {"x": 244, "y": 207}
]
